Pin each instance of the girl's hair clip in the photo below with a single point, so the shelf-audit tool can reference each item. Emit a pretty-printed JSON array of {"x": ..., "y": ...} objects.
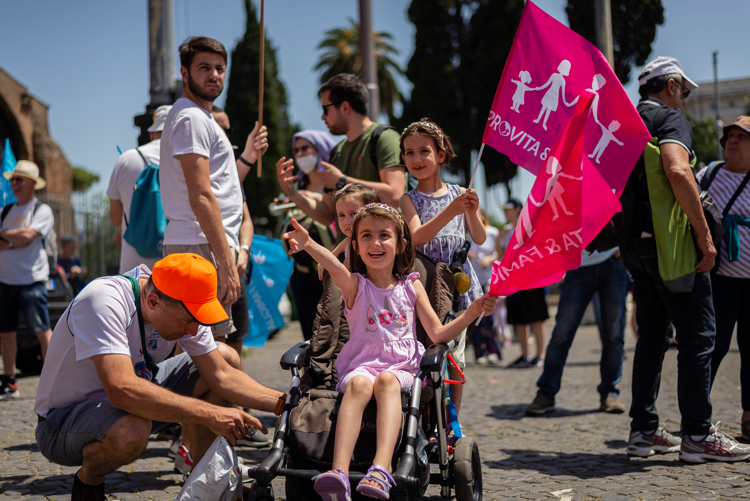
[
  {"x": 429, "y": 126},
  {"x": 380, "y": 206}
]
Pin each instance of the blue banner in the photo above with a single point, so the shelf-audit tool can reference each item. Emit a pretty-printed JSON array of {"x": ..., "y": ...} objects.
[
  {"x": 7, "y": 164},
  {"x": 271, "y": 271}
]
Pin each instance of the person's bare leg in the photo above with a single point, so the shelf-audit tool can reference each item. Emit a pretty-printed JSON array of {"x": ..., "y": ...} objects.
[
  {"x": 522, "y": 334},
  {"x": 539, "y": 338},
  {"x": 358, "y": 393},
  {"x": 387, "y": 391},
  {"x": 634, "y": 322},
  {"x": 457, "y": 390},
  {"x": 44, "y": 338},
  {"x": 9, "y": 347},
  {"x": 197, "y": 439},
  {"x": 123, "y": 443},
  {"x": 237, "y": 346}
]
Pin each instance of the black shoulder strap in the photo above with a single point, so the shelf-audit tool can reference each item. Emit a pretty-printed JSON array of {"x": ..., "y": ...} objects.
[
  {"x": 144, "y": 158},
  {"x": 710, "y": 174},
  {"x": 137, "y": 297},
  {"x": 736, "y": 194},
  {"x": 374, "y": 142},
  {"x": 5, "y": 212}
]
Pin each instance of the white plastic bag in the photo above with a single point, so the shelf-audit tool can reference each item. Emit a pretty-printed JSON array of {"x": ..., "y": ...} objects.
[{"x": 216, "y": 477}]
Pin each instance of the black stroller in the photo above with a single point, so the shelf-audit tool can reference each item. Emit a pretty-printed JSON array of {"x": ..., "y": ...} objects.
[{"x": 303, "y": 446}]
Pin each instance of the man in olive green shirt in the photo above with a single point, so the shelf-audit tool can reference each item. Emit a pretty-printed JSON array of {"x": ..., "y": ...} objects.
[{"x": 344, "y": 99}]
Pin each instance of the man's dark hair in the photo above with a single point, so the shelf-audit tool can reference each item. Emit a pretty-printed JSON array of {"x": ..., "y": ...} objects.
[
  {"x": 169, "y": 302},
  {"x": 657, "y": 84},
  {"x": 194, "y": 45},
  {"x": 349, "y": 88},
  {"x": 216, "y": 109}
]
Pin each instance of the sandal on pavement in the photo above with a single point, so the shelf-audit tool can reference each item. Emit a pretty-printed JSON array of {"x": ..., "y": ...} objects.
[
  {"x": 385, "y": 483},
  {"x": 333, "y": 486}
]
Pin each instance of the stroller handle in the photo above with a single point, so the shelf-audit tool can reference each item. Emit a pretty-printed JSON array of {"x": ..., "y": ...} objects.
[
  {"x": 296, "y": 356},
  {"x": 434, "y": 357}
]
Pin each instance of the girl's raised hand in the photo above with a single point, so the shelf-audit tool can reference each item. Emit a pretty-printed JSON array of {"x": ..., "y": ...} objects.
[
  {"x": 483, "y": 304},
  {"x": 298, "y": 239},
  {"x": 460, "y": 204},
  {"x": 473, "y": 199}
]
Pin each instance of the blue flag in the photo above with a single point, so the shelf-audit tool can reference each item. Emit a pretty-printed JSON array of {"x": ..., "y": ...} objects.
[
  {"x": 271, "y": 271},
  {"x": 7, "y": 164}
]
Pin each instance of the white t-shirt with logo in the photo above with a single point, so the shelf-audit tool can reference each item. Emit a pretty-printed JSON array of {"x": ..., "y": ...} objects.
[
  {"x": 121, "y": 187},
  {"x": 191, "y": 129},
  {"x": 29, "y": 263},
  {"x": 103, "y": 320}
]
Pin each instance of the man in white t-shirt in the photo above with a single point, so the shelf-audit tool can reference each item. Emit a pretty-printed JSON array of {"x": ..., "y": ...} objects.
[
  {"x": 200, "y": 185},
  {"x": 24, "y": 268},
  {"x": 106, "y": 385},
  {"x": 122, "y": 184}
]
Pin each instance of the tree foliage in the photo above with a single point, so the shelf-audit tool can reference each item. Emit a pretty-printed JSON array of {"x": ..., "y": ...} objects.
[
  {"x": 341, "y": 54},
  {"x": 460, "y": 50},
  {"x": 634, "y": 25},
  {"x": 704, "y": 139},
  {"x": 83, "y": 179},
  {"x": 242, "y": 108}
]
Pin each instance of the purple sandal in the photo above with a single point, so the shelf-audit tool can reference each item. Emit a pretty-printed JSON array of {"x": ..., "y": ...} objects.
[
  {"x": 333, "y": 486},
  {"x": 385, "y": 483}
]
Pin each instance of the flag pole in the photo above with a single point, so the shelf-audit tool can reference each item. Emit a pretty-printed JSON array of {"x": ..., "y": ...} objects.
[
  {"x": 260, "y": 84},
  {"x": 474, "y": 173}
]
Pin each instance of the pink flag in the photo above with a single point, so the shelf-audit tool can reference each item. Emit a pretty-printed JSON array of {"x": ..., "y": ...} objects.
[
  {"x": 554, "y": 116},
  {"x": 548, "y": 69}
]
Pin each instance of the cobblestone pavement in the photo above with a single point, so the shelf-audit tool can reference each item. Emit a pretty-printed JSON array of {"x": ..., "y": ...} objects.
[{"x": 576, "y": 453}]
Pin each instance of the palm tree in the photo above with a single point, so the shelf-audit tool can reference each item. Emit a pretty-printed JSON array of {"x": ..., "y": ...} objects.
[{"x": 341, "y": 55}]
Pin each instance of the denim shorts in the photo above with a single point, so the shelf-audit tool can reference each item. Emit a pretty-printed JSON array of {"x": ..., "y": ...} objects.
[
  {"x": 64, "y": 433},
  {"x": 31, "y": 300}
]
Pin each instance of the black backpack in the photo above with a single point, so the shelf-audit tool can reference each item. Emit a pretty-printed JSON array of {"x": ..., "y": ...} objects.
[{"x": 628, "y": 224}]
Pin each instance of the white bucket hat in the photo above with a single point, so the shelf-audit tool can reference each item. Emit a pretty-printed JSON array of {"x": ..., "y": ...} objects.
[
  {"x": 24, "y": 168},
  {"x": 160, "y": 118},
  {"x": 664, "y": 65}
]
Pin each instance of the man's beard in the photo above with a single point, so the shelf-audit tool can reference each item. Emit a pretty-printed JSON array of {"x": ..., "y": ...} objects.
[
  {"x": 339, "y": 127},
  {"x": 201, "y": 93}
]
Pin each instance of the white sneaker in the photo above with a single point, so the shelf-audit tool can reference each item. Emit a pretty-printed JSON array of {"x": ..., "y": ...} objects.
[
  {"x": 482, "y": 360},
  {"x": 493, "y": 358},
  {"x": 717, "y": 446},
  {"x": 183, "y": 462}
]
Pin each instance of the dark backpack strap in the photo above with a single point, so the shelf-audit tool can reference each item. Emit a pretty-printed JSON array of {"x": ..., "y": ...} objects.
[
  {"x": 736, "y": 194},
  {"x": 144, "y": 158},
  {"x": 710, "y": 174},
  {"x": 5, "y": 212},
  {"x": 374, "y": 142},
  {"x": 137, "y": 297}
]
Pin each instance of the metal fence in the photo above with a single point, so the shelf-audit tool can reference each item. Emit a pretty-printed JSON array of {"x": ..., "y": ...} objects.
[{"x": 88, "y": 219}]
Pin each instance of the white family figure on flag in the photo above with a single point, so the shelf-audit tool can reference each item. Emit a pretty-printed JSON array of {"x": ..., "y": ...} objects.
[
  {"x": 596, "y": 85},
  {"x": 607, "y": 136},
  {"x": 521, "y": 88},
  {"x": 556, "y": 83}
]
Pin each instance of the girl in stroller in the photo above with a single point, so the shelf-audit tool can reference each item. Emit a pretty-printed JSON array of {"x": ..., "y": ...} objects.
[{"x": 382, "y": 355}]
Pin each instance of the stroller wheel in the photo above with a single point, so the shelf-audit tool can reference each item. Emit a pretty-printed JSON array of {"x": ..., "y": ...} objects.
[{"x": 467, "y": 470}]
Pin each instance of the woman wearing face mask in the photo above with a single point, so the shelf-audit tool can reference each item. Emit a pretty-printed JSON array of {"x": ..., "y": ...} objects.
[{"x": 310, "y": 147}]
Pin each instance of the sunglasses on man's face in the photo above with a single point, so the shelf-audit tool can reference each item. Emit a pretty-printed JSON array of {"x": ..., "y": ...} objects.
[
  {"x": 685, "y": 90},
  {"x": 16, "y": 180},
  {"x": 325, "y": 108}
]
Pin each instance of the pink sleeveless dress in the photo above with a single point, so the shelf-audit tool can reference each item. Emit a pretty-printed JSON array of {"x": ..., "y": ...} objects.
[{"x": 382, "y": 334}]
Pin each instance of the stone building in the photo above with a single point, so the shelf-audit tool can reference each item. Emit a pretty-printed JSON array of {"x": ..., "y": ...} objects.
[
  {"x": 23, "y": 119},
  {"x": 732, "y": 93}
]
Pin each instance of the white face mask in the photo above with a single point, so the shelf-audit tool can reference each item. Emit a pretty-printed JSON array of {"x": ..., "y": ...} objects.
[{"x": 307, "y": 163}]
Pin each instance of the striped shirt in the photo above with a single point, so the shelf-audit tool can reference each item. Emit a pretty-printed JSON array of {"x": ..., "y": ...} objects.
[{"x": 721, "y": 190}]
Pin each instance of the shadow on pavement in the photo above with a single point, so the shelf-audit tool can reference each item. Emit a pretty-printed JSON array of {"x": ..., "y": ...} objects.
[
  {"x": 516, "y": 412},
  {"x": 23, "y": 447},
  {"x": 581, "y": 465}
]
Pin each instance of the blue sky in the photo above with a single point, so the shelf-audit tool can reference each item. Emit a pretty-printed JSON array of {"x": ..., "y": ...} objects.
[{"x": 88, "y": 59}]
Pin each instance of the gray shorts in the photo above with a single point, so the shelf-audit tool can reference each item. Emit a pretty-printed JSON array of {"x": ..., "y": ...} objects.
[
  {"x": 204, "y": 251},
  {"x": 64, "y": 433}
]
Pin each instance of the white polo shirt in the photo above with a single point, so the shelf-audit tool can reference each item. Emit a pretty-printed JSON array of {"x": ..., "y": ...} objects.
[{"x": 191, "y": 129}]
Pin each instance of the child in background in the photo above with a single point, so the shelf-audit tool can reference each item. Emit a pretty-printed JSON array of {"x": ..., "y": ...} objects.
[
  {"x": 347, "y": 201},
  {"x": 382, "y": 298},
  {"x": 75, "y": 273},
  {"x": 438, "y": 214}
]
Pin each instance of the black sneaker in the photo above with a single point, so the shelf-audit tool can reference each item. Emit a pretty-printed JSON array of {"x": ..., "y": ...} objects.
[
  {"x": 537, "y": 362},
  {"x": 84, "y": 492},
  {"x": 9, "y": 390},
  {"x": 717, "y": 446},
  {"x": 520, "y": 363},
  {"x": 539, "y": 406}
]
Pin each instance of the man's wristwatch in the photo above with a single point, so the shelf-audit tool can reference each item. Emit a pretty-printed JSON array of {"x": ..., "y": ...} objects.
[
  {"x": 280, "y": 405},
  {"x": 245, "y": 248},
  {"x": 341, "y": 183}
]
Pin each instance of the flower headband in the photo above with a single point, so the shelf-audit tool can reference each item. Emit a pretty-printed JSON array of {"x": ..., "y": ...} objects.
[
  {"x": 380, "y": 206},
  {"x": 429, "y": 126}
]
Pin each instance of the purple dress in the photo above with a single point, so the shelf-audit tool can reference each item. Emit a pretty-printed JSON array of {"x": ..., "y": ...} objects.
[
  {"x": 449, "y": 239},
  {"x": 382, "y": 334}
]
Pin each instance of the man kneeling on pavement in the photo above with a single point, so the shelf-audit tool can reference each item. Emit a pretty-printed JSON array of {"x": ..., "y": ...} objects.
[{"x": 106, "y": 386}]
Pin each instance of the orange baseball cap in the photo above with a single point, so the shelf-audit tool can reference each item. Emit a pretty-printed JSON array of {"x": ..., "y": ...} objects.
[{"x": 191, "y": 280}]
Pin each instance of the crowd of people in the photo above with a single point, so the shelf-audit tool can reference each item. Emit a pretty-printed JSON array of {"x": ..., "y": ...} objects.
[{"x": 162, "y": 342}]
